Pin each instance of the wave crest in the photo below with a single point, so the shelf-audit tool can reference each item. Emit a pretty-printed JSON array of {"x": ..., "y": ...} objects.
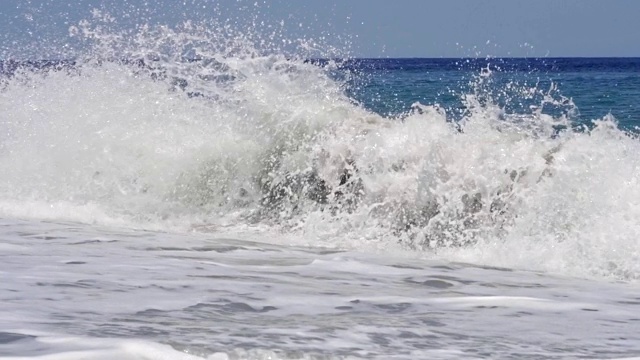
[{"x": 197, "y": 127}]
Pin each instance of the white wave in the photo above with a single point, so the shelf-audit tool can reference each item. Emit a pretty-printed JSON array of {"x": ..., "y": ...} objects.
[
  {"x": 63, "y": 347},
  {"x": 242, "y": 138}
]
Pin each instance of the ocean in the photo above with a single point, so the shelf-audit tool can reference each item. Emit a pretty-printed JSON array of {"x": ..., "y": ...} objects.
[{"x": 175, "y": 197}]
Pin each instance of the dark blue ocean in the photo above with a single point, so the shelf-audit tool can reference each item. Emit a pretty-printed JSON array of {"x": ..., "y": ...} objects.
[{"x": 597, "y": 86}]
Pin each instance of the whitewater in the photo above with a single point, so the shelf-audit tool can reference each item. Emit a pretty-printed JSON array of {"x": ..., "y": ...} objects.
[{"x": 184, "y": 193}]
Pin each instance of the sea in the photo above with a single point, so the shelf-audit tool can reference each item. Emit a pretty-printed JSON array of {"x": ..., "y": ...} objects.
[{"x": 187, "y": 194}]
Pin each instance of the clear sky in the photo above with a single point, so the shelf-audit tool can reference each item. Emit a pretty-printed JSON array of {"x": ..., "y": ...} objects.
[{"x": 374, "y": 28}]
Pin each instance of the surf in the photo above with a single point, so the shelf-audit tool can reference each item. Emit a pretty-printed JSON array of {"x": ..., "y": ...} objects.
[{"x": 199, "y": 128}]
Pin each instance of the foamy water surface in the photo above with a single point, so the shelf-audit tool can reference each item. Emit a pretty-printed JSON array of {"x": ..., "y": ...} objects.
[
  {"x": 220, "y": 200},
  {"x": 77, "y": 292}
]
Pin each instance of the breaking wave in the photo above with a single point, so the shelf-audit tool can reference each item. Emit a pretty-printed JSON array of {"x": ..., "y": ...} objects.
[{"x": 206, "y": 128}]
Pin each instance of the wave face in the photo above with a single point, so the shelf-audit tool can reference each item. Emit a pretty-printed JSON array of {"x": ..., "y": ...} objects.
[{"x": 200, "y": 128}]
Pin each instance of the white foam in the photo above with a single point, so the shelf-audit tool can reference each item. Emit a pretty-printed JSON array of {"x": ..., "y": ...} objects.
[
  {"x": 97, "y": 292},
  {"x": 119, "y": 144}
]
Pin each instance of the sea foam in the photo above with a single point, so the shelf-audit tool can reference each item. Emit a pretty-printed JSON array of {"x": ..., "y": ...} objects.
[{"x": 204, "y": 128}]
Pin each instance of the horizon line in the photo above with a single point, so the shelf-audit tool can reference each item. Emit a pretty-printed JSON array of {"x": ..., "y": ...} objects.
[{"x": 398, "y": 58}]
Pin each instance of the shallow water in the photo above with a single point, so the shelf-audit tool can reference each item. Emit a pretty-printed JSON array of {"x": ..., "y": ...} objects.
[{"x": 72, "y": 291}]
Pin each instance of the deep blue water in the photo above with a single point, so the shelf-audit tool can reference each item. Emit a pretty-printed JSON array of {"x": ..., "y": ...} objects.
[
  {"x": 585, "y": 89},
  {"x": 597, "y": 86}
]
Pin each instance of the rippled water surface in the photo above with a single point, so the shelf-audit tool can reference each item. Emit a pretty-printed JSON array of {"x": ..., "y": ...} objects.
[{"x": 72, "y": 291}]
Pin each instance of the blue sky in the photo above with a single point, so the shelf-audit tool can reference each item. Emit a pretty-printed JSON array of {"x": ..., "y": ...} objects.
[{"x": 372, "y": 28}]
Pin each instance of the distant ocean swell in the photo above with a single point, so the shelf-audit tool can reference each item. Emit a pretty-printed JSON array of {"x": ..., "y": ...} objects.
[{"x": 225, "y": 136}]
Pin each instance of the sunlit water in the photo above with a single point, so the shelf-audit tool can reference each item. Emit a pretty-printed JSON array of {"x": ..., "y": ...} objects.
[{"x": 185, "y": 193}]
